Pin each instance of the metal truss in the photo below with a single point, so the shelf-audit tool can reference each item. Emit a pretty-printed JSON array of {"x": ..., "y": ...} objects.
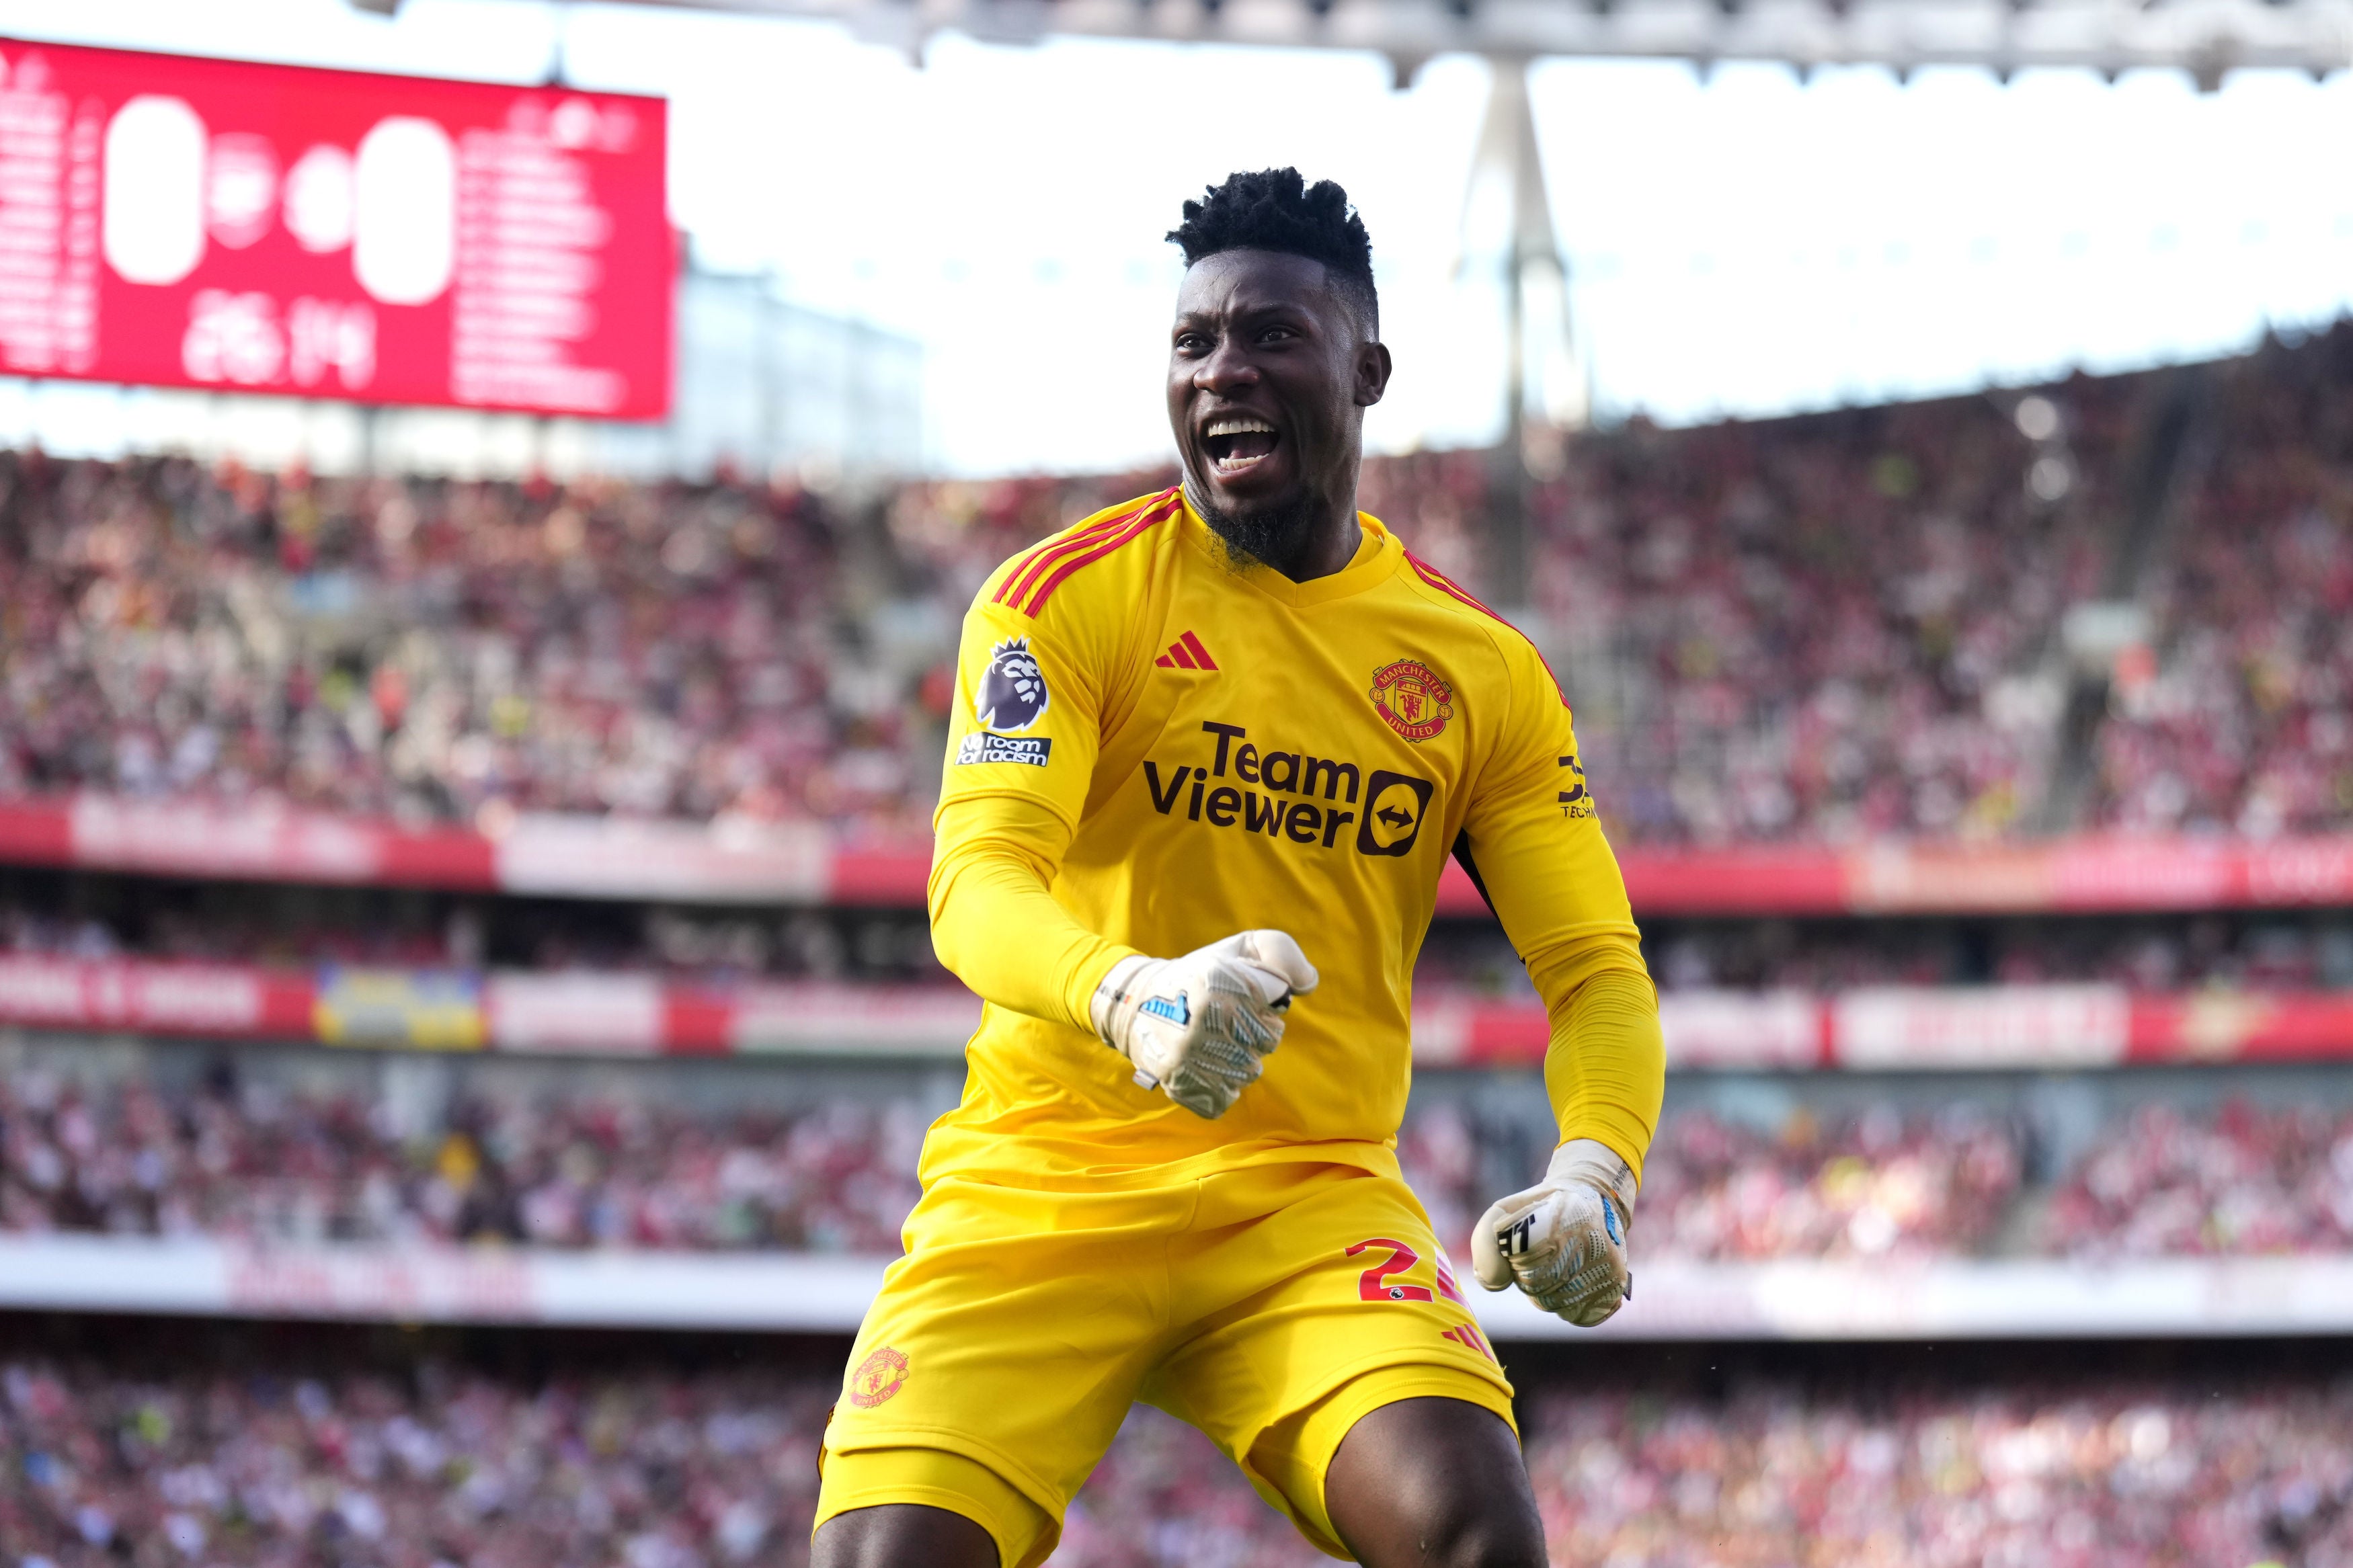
[{"x": 2205, "y": 37}]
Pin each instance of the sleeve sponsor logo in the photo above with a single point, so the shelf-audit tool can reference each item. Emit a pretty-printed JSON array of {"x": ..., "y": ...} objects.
[
  {"x": 1292, "y": 797},
  {"x": 1412, "y": 699},
  {"x": 1576, "y": 800},
  {"x": 980, "y": 746},
  {"x": 1012, "y": 695}
]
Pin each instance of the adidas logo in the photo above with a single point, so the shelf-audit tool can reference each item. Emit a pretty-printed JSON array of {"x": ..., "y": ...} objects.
[{"x": 1187, "y": 653}]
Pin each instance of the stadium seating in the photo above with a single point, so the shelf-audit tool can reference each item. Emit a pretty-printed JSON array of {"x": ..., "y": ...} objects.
[
  {"x": 2239, "y": 714},
  {"x": 2243, "y": 1180},
  {"x": 1796, "y": 637},
  {"x": 1826, "y": 627},
  {"x": 2098, "y": 1477},
  {"x": 262, "y": 1162},
  {"x": 1813, "y": 629},
  {"x": 416, "y": 649},
  {"x": 253, "y": 1159},
  {"x": 236, "y": 1464}
]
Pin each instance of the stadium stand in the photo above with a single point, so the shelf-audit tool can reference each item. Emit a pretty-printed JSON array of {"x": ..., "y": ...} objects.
[
  {"x": 237, "y": 1461},
  {"x": 278, "y": 1149},
  {"x": 2236, "y": 714},
  {"x": 416, "y": 649},
  {"x": 2114, "y": 1475},
  {"x": 533, "y": 773},
  {"x": 1810, "y": 630},
  {"x": 1821, "y": 628},
  {"x": 2243, "y": 1179},
  {"x": 97, "y": 918},
  {"x": 261, "y": 1161}
]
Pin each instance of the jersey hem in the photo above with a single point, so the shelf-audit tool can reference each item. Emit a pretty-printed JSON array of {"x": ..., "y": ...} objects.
[
  {"x": 947, "y": 1501},
  {"x": 979, "y": 1450},
  {"x": 1438, "y": 1360}
]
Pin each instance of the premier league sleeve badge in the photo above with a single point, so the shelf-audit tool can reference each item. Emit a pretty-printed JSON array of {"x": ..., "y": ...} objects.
[{"x": 1012, "y": 695}]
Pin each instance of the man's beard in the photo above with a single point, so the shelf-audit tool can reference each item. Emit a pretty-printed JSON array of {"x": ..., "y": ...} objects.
[{"x": 1276, "y": 537}]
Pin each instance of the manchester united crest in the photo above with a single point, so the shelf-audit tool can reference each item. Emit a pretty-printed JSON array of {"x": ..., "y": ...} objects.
[
  {"x": 1412, "y": 698},
  {"x": 878, "y": 1377}
]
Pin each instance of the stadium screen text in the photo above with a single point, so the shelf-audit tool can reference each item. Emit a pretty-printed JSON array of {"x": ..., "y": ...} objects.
[{"x": 211, "y": 224}]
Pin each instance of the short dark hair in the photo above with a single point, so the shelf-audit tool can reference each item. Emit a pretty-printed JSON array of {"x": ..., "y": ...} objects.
[{"x": 1275, "y": 209}]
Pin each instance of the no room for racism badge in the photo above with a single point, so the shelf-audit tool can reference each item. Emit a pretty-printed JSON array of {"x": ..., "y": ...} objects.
[
  {"x": 878, "y": 1377},
  {"x": 1412, "y": 698}
]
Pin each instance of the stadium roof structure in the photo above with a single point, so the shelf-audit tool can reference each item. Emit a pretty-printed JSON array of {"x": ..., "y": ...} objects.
[{"x": 2205, "y": 37}]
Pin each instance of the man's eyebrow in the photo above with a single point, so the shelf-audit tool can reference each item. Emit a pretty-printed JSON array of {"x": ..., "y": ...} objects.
[
  {"x": 1244, "y": 314},
  {"x": 1273, "y": 310}
]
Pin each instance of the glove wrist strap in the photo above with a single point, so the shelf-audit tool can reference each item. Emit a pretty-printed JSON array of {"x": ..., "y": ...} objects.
[
  {"x": 1596, "y": 1164},
  {"x": 1114, "y": 997}
]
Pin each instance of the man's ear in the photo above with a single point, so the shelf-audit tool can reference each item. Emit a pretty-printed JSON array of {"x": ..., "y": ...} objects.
[{"x": 1373, "y": 368}]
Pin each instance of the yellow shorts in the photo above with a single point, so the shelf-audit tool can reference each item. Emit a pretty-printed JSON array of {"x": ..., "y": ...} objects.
[{"x": 1272, "y": 1307}]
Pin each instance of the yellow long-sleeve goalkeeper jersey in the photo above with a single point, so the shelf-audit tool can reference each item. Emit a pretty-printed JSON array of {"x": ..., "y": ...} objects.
[{"x": 1155, "y": 749}]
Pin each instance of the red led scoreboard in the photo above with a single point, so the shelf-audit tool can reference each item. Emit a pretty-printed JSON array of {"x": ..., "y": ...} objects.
[{"x": 214, "y": 224}]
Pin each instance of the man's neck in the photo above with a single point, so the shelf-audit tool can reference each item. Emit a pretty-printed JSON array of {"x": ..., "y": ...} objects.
[{"x": 1304, "y": 548}]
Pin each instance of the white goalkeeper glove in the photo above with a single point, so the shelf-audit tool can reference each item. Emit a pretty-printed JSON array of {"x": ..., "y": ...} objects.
[
  {"x": 1199, "y": 1026},
  {"x": 1563, "y": 1241}
]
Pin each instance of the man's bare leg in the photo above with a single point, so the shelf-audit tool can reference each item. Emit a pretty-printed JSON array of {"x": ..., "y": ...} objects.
[
  {"x": 1434, "y": 1483},
  {"x": 902, "y": 1535}
]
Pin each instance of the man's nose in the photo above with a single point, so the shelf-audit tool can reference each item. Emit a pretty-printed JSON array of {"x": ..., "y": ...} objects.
[{"x": 1226, "y": 367}]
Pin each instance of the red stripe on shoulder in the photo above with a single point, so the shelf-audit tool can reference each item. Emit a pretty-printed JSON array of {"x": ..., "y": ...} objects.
[
  {"x": 1030, "y": 565},
  {"x": 1447, "y": 585},
  {"x": 1027, "y": 568},
  {"x": 1019, "y": 584},
  {"x": 1020, "y": 565},
  {"x": 1166, "y": 508}
]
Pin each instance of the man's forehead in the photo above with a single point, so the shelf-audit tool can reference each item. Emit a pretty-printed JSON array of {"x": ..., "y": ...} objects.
[{"x": 1233, "y": 281}]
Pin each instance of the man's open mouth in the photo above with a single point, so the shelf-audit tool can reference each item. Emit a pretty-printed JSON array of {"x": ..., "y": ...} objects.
[{"x": 1237, "y": 443}]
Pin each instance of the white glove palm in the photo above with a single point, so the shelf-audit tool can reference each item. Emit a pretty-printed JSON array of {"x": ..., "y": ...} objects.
[
  {"x": 1199, "y": 1026},
  {"x": 1563, "y": 1241}
]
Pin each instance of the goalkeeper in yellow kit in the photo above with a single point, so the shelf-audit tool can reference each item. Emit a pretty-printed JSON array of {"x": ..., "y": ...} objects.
[{"x": 1213, "y": 749}]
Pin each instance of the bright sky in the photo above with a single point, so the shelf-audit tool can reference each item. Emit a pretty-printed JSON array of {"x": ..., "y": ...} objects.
[{"x": 1744, "y": 245}]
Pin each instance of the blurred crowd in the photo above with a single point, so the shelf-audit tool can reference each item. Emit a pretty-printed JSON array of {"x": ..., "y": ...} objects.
[
  {"x": 2019, "y": 1476},
  {"x": 240, "y": 926},
  {"x": 427, "y": 650},
  {"x": 426, "y": 1464},
  {"x": 2235, "y": 713},
  {"x": 1826, "y": 627},
  {"x": 440, "y": 1466},
  {"x": 288, "y": 927},
  {"x": 2243, "y": 1180},
  {"x": 1819, "y": 627},
  {"x": 1878, "y": 1184},
  {"x": 2254, "y": 952},
  {"x": 257, "y": 1158},
  {"x": 2265, "y": 952}
]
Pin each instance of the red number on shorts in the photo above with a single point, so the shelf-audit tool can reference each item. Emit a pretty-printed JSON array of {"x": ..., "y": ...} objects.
[
  {"x": 1447, "y": 1286},
  {"x": 1373, "y": 1284}
]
